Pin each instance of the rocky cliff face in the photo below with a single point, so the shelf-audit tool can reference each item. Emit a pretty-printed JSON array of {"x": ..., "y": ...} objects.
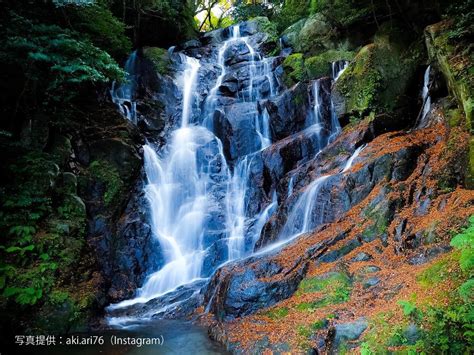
[
  {"x": 363, "y": 209},
  {"x": 376, "y": 227}
]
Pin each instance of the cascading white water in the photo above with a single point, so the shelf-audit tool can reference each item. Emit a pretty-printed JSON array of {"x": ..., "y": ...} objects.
[
  {"x": 315, "y": 118},
  {"x": 237, "y": 221},
  {"x": 263, "y": 218},
  {"x": 122, "y": 95},
  {"x": 350, "y": 161},
  {"x": 302, "y": 219},
  {"x": 236, "y": 203},
  {"x": 177, "y": 186},
  {"x": 337, "y": 68},
  {"x": 212, "y": 98},
  {"x": 181, "y": 183},
  {"x": 425, "y": 95},
  {"x": 190, "y": 75},
  {"x": 262, "y": 125}
]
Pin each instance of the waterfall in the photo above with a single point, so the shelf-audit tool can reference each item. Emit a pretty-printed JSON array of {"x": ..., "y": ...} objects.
[
  {"x": 350, "y": 161},
  {"x": 212, "y": 98},
  {"x": 123, "y": 95},
  {"x": 201, "y": 208},
  {"x": 262, "y": 125},
  {"x": 337, "y": 68},
  {"x": 236, "y": 203},
  {"x": 316, "y": 120},
  {"x": 189, "y": 78},
  {"x": 178, "y": 181},
  {"x": 425, "y": 95},
  {"x": 302, "y": 217},
  {"x": 193, "y": 194}
]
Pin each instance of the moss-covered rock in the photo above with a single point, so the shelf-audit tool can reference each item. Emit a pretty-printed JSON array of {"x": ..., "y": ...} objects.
[
  {"x": 268, "y": 27},
  {"x": 320, "y": 65},
  {"x": 378, "y": 78},
  {"x": 456, "y": 66},
  {"x": 311, "y": 35},
  {"x": 160, "y": 59},
  {"x": 294, "y": 69}
]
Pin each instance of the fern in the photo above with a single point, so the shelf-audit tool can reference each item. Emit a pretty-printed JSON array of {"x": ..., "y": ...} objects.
[{"x": 464, "y": 241}]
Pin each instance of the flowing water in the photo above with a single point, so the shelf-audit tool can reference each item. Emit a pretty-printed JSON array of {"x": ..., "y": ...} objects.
[
  {"x": 426, "y": 98},
  {"x": 177, "y": 338},
  {"x": 190, "y": 186},
  {"x": 122, "y": 95},
  {"x": 199, "y": 197}
]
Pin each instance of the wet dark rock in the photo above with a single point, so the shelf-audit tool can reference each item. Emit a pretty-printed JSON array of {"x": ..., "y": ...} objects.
[
  {"x": 344, "y": 332},
  {"x": 371, "y": 281},
  {"x": 428, "y": 255},
  {"x": 124, "y": 157},
  {"x": 334, "y": 255},
  {"x": 234, "y": 128},
  {"x": 288, "y": 111},
  {"x": 362, "y": 257},
  {"x": 178, "y": 304},
  {"x": 237, "y": 290}
]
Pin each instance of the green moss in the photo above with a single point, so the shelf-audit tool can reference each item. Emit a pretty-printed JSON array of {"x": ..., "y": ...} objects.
[
  {"x": 383, "y": 333},
  {"x": 304, "y": 331},
  {"x": 109, "y": 176},
  {"x": 335, "y": 286},
  {"x": 379, "y": 76},
  {"x": 277, "y": 313},
  {"x": 320, "y": 65},
  {"x": 160, "y": 59},
  {"x": 294, "y": 69},
  {"x": 268, "y": 27},
  {"x": 437, "y": 272}
]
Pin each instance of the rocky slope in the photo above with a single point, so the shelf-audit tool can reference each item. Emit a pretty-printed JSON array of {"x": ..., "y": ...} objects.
[{"x": 384, "y": 225}]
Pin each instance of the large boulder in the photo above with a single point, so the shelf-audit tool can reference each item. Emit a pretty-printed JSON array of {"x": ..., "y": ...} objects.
[
  {"x": 311, "y": 35},
  {"x": 379, "y": 78}
]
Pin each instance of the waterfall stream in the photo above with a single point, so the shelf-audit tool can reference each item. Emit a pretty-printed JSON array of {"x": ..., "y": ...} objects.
[
  {"x": 199, "y": 197},
  {"x": 122, "y": 96}
]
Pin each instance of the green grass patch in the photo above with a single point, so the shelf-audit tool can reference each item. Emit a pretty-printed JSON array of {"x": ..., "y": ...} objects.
[
  {"x": 277, "y": 313},
  {"x": 335, "y": 286}
]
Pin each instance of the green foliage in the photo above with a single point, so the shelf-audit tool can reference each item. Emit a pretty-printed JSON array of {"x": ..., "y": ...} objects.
[
  {"x": 23, "y": 296},
  {"x": 277, "y": 313},
  {"x": 463, "y": 26},
  {"x": 160, "y": 59},
  {"x": 34, "y": 213},
  {"x": 409, "y": 308},
  {"x": 343, "y": 13},
  {"x": 101, "y": 27},
  {"x": 465, "y": 242},
  {"x": 55, "y": 59},
  {"x": 109, "y": 176},
  {"x": 294, "y": 69},
  {"x": 336, "y": 288},
  {"x": 244, "y": 10},
  {"x": 447, "y": 329},
  {"x": 291, "y": 12}
]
